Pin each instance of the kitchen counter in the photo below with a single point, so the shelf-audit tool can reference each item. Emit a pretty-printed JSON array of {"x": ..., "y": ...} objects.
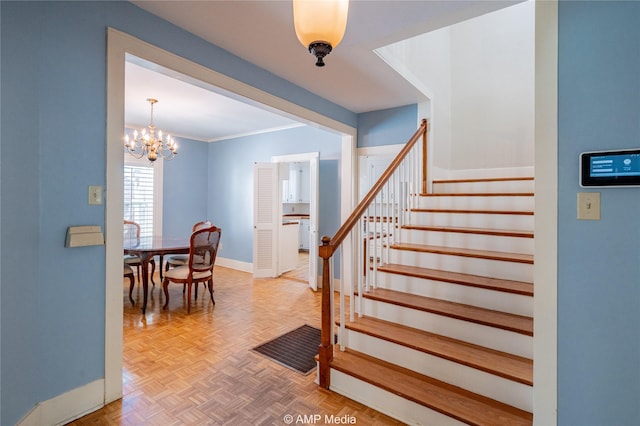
[{"x": 293, "y": 216}]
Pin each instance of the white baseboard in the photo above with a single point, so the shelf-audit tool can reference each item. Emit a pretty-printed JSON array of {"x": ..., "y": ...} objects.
[
  {"x": 66, "y": 407},
  {"x": 235, "y": 264}
]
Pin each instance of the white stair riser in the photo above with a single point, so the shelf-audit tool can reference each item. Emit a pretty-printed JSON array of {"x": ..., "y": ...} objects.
[
  {"x": 465, "y": 265},
  {"x": 479, "y": 334},
  {"x": 508, "y": 186},
  {"x": 388, "y": 403},
  {"x": 473, "y": 220},
  {"x": 489, "y": 299},
  {"x": 522, "y": 245},
  {"x": 507, "y": 391},
  {"x": 501, "y": 202}
]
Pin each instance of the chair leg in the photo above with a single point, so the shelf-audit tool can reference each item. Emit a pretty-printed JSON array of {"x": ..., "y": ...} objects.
[
  {"x": 160, "y": 267},
  {"x": 165, "y": 287},
  {"x": 189, "y": 297},
  {"x": 211, "y": 290},
  {"x": 131, "y": 284},
  {"x": 153, "y": 270}
]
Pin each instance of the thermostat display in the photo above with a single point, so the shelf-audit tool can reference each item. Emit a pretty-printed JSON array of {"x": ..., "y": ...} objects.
[{"x": 610, "y": 168}]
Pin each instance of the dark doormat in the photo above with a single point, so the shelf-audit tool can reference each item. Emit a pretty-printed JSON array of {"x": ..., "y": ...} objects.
[{"x": 295, "y": 350}]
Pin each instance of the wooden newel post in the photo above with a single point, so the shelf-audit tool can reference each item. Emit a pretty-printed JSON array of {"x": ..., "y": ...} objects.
[{"x": 325, "y": 351}]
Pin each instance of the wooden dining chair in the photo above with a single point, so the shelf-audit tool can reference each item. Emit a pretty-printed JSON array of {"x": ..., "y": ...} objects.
[
  {"x": 182, "y": 259},
  {"x": 128, "y": 273},
  {"x": 203, "y": 248},
  {"x": 176, "y": 260},
  {"x": 132, "y": 237}
]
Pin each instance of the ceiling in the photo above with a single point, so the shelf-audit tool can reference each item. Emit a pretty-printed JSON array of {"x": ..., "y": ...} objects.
[{"x": 261, "y": 32}]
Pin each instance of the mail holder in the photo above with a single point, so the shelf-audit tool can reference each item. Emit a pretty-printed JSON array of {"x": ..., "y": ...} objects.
[{"x": 80, "y": 236}]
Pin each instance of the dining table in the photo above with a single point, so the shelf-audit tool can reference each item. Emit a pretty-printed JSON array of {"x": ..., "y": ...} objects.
[{"x": 148, "y": 247}]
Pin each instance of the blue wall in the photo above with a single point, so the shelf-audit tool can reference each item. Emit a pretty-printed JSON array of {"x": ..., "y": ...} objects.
[
  {"x": 598, "y": 261},
  {"x": 387, "y": 127},
  {"x": 52, "y": 118},
  {"x": 215, "y": 181},
  {"x": 53, "y": 57},
  {"x": 231, "y": 182},
  {"x": 185, "y": 188}
]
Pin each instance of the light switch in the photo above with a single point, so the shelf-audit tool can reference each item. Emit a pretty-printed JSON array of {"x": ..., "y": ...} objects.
[
  {"x": 95, "y": 195},
  {"x": 589, "y": 205}
]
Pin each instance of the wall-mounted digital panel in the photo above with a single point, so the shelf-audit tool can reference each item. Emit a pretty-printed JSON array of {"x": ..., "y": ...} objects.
[{"x": 610, "y": 168}]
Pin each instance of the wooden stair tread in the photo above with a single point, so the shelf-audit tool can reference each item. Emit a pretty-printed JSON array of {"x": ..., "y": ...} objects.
[
  {"x": 497, "y": 284},
  {"x": 505, "y": 321},
  {"x": 499, "y": 179},
  {"x": 469, "y": 211},
  {"x": 479, "y": 231},
  {"x": 449, "y": 400},
  {"x": 481, "y": 254},
  {"x": 478, "y": 194},
  {"x": 499, "y": 363}
]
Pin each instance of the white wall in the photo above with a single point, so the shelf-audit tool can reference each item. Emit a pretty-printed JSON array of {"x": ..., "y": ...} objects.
[
  {"x": 425, "y": 62},
  {"x": 492, "y": 74},
  {"x": 479, "y": 77}
]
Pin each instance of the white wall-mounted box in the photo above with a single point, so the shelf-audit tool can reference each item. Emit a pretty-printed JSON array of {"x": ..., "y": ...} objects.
[{"x": 87, "y": 235}]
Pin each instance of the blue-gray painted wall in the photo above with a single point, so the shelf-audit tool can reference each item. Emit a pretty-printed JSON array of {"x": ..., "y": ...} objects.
[
  {"x": 185, "y": 188},
  {"x": 52, "y": 118},
  {"x": 214, "y": 181},
  {"x": 53, "y": 144},
  {"x": 231, "y": 182},
  {"x": 598, "y": 261},
  {"x": 388, "y": 126}
]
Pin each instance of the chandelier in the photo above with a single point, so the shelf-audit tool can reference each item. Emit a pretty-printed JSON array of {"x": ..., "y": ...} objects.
[
  {"x": 320, "y": 25},
  {"x": 147, "y": 143}
]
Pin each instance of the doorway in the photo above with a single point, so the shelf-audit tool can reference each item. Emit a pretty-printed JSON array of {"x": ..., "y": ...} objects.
[
  {"x": 118, "y": 46},
  {"x": 299, "y": 202}
]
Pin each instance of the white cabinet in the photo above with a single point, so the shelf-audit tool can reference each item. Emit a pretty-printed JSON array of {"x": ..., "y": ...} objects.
[
  {"x": 304, "y": 184},
  {"x": 303, "y": 235},
  {"x": 296, "y": 188},
  {"x": 288, "y": 249}
]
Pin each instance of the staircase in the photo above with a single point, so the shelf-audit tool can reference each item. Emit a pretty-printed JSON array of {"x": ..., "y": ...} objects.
[{"x": 443, "y": 332}]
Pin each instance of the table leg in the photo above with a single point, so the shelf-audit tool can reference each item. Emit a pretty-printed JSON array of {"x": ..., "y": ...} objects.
[{"x": 145, "y": 282}]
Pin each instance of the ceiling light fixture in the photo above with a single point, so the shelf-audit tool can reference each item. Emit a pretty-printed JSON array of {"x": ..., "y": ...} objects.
[
  {"x": 320, "y": 25},
  {"x": 148, "y": 144}
]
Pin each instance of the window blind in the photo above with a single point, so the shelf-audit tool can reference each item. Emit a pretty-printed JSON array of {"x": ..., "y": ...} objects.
[{"x": 138, "y": 197}]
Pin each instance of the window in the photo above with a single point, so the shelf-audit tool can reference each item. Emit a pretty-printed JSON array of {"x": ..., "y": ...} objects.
[{"x": 143, "y": 195}]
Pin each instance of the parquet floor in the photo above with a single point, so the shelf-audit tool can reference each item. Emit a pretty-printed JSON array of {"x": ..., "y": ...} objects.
[
  {"x": 301, "y": 272},
  {"x": 198, "y": 369}
]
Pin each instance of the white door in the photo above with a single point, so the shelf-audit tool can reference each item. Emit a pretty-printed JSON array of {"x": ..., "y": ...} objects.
[
  {"x": 313, "y": 222},
  {"x": 314, "y": 181},
  {"x": 265, "y": 220}
]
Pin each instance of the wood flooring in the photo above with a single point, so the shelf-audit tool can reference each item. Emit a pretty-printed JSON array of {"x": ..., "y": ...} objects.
[{"x": 198, "y": 369}]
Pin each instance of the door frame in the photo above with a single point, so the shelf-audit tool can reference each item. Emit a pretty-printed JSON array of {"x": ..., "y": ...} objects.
[
  {"x": 314, "y": 181},
  {"x": 119, "y": 45}
]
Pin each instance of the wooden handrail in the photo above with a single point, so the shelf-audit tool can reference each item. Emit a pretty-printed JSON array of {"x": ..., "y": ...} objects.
[
  {"x": 330, "y": 245},
  {"x": 357, "y": 213}
]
